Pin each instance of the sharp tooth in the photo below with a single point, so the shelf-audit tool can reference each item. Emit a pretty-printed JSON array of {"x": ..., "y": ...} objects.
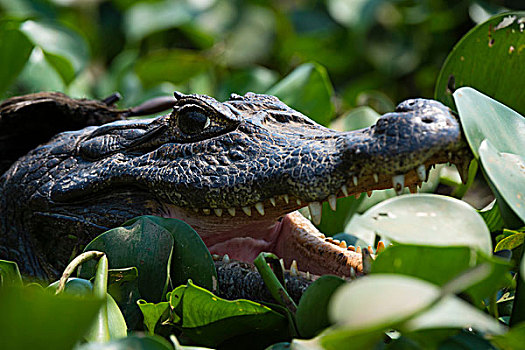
[
  {"x": 308, "y": 277},
  {"x": 293, "y": 269},
  {"x": 298, "y": 201},
  {"x": 206, "y": 211},
  {"x": 353, "y": 275},
  {"x": 357, "y": 195},
  {"x": 286, "y": 198},
  {"x": 332, "y": 201},
  {"x": 449, "y": 154},
  {"x": 369, "y": 193},
  {"x": 398, "y": 182},
  {"x": 336, "y": 241},
  {"x": 226, "y": 258},
  {"x": 247, "y": 211},
  {"x": 376, "y": 177},
  {"x": 344, "y": 189},
  {"x": 322, "y": 236},
  {"x": 351, "y": 247},
  {"x": 463, "y": 170},
  {"x": 260, "y": 208},
  {"x": 421, "y": 172},
  {"x": 354, "y": 178},
  {"x": 380, "y": 247},
  {"x": 281, "y": 261},
  {"x": 358, "y": 249},
  {"x": 231, "y": 211},
  {"x": 412, "y": 188},
  {"x": 272, "y": 200},
  {"x": 342, "y": 244},
  {"x": 218, "y": 212},
  {"x": 315, "y": 212},
  {"x": 367, "y": 261}
]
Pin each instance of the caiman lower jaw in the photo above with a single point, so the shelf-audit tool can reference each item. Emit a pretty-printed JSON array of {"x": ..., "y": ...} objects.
[{"x": 290, "y": 236}]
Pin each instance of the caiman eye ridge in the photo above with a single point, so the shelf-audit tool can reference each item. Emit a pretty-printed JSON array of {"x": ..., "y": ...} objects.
[{"x": 192, "y": 120}]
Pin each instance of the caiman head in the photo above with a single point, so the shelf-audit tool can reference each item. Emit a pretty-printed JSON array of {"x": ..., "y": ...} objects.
[{"x": 235, "y": 171}]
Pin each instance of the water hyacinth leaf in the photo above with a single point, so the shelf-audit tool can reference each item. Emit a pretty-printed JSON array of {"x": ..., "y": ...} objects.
[
  {"x": 190, "y": 259},
  {"x": 143, "y": 342},
  {"x": 176, "y": 66},
  {"x": 152, "y": 313},
  {"x": 308, "y": 90},
  {"x": 9, "y": 274},
  {"x": 506, "y": 172},
  {"x": 143, "y": 244},
  {"x": 209, "y": 320},
  {"x": 43, "y": 313},
  {"x": 58, "y": 41},
  {"x": 490, "y": 59},
  {"x": 15, "y": 49},
  {"x": 428, "y": 219},
  {"x": 484, "y": 118},
  {"x": 311, "y": 315},
  {"x": 380, "y": 301},
  {"x": 452, "y": 312},
  {"x": 513, "y": 241},
  {"x": 439, "y": 265}
]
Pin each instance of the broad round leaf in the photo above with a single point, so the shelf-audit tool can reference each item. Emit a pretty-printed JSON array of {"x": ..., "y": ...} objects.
[
  {"x": 506, "y": 172},
  {"x": 489, "y": 58},
  {"x": 428, "y": 219},
  {"x": 452, "y": 312},
  {"x": 380, "y": 301},
  {"x": 484, "y": 118}
]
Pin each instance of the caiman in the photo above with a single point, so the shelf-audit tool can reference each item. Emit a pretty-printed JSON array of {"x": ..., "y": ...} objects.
[{"x": 236, "y": 171}]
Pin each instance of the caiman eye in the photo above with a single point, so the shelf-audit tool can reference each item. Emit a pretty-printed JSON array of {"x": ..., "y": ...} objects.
[{"x": 192, "y": 121}]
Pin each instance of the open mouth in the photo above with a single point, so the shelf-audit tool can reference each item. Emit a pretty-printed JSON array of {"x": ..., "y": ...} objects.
[{"x": 275, "y": 226}]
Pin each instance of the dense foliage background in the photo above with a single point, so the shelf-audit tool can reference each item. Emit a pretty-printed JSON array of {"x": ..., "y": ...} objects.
[{"x": 376, "y": 52}]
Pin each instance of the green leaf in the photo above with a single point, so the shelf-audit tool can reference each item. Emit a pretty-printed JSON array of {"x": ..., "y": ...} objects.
[
  {"x": 62, "y": 65},
  {"x": 141, "y": 342},
  {"x": 152, "y": 313},
  {"x": 9, "y": 274},
  {"x": 99, "y": 331},
  {"x": 492, "y": 217},
  {"x": 506, "y": 173},
  {"x": 81, "y": 288},
  {"x": 257, "y": 80},
  {"x": 431, "y": 220},
  {"x": 15, "y": 49},
  {"x": 490, "y": 59},
  {"x": 384, "y": 301},
  {"x": 307, "y": 89},
  {"x": 190, "y": 259},
  {"x": 56, "y": 40},
  {"x": 439, "y": 265},
  {"x": 512, "y": 340},
  {"x": 209, "y": 320},
  {"x": 484, "y": 118},
  {"x": 143, "y": 244},
  {"x": 145, "y": 18},
  {"x": 31, "y": 317},
  {"x": 176, "y": 66},
  {"x": 511, "y": 242},
  {"x": 312, "y": 311}
]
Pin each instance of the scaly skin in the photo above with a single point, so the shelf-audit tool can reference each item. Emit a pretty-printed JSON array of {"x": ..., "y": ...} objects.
[{"x": 235, "y": 171}]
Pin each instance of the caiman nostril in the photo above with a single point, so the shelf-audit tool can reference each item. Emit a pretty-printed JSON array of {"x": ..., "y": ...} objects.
[{"x": 427, "y": 120}]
